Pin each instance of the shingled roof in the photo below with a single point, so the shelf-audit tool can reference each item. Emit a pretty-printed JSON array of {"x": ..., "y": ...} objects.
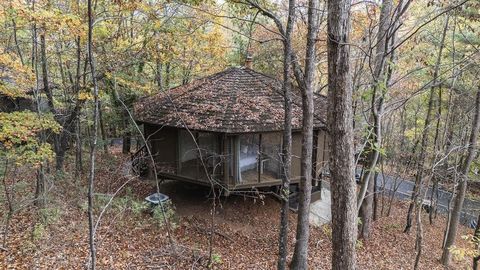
[{"x": 236, "y": 100}]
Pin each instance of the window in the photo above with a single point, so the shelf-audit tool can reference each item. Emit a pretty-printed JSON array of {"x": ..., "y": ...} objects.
[
  {"x": 187, "y": 154},
  {"x": 248, "y": 152},
  {"x": 208, "y": 144},
  {"x": 258, "y": 157},
  {"x": 270, "y": 166},
  {"x": 196, "y": 162}
]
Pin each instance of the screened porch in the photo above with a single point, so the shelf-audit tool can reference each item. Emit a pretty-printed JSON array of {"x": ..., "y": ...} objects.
[{"x": 232, "y": 160}]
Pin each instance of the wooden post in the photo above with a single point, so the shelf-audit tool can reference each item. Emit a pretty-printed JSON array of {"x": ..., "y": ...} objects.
[
  {"x": 226, "y": 159},
  {"x": 179, "y": 164},
  {"x": 259, "y": 164},
  {"x": 325, "y": 148},
  {"x": 236, "y": 159},
  {"x": 314, "y": 158},
  {"x": 197, "y": 161}
]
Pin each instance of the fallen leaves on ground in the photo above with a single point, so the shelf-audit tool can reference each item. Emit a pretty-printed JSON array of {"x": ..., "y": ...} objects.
[{"x": 245, "y": 231}]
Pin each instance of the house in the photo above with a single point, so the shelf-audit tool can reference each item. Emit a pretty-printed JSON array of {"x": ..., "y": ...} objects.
[
  {"x": 25, "y": 101},
  {"x": 226, "y": 128},
  {"x": 9, "y": 104},
  {"x": 14, "y": 103}
]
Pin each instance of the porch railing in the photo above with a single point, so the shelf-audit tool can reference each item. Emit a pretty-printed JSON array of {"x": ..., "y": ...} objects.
[{"x": 139, "y": 161}]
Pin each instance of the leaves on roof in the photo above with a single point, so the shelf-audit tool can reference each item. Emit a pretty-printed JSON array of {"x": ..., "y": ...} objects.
[{"x": 233, "y": 101}]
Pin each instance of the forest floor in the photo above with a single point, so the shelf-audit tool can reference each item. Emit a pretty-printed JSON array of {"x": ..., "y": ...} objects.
[{"x": 128, "y": 237}]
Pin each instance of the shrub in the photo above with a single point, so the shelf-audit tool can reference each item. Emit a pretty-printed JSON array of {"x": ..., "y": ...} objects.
[{"x": 164, "y": 212}]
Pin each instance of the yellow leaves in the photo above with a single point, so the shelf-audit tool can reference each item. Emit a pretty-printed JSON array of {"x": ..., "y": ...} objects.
[
  {"x": 50, "y": 20},
  {"x": 125, "y": 45},
  {"x": 10, "y": 91},
  {"x": 55, "y": 20},
  {"x": 468, "y": 251},
  {"x": 462, "y": 253},
  {"x": 147, "y": 88},
  {"x": 102, "y": 30},
  {"x": 20, "y": 126},
  {"x": 30, "y": 154},
  {"x": 128, "y": 5},
  {"x": 85, "y": 96},
  {"x": 410, "y": 134},
  {"x": 19, "y": 136},
  {"x": 15, "y": 79}
]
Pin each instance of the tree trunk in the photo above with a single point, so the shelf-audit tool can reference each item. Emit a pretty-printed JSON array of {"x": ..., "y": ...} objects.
[
  {"x": 59, "y": 155},
  {"x": 462, "y": 186},
  {"x": 419, "y": 236},
  {"x": 91, "y": 178},
  {"x": 15, "y": 38},
  {"x": 300, "y": 254},
  {"x": 39, "y": 177},
  {"x": 44, "y": 66},
  {"x": 381, "y": 80},
  {"x": 435, "y": 178},
  {"x": 375, "y": 196},
  {"x": 340, "y": 124},
  {"x": 127, "y": 141},
  {"x": 167, "y": 76},
  {"x": 57, "y": 138},
  {"x": 61, "y": 141},
  {"x": 476, "y": 240},
  {"x": 287, "y": 140},
  {"x": 433, "y": 199},
  {"x": 40, "y": 189},
  {"x": 102, "y": 128},
  {"x": 158, "y": 75},
  {"x": 78, "y": 149},
  {"x": 366, "y": 209},
  {"x": 376, "y": 109},
  {"x": 9, "y": 202},
  {"x": 78, "y": 130}
]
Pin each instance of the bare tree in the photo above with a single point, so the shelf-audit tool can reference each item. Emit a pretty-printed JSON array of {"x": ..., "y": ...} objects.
[
  {"x": 425, "y": 135},
  {"x": 384, "y": 60},
  {"x": 419, "y": 235},
  {"x": 9, "y": 200},
  {"x": 287, "y": 138},
  {"x": 93, "y": 146},
  {"x": 365, "y": 207},
  {"x": 305, "y": 79},
  {"x": 340, "y": 124},
  {"x": 300, "y": 254},
  {"x": 462, "y": 185},
  {"x": 476, "y": 240}
]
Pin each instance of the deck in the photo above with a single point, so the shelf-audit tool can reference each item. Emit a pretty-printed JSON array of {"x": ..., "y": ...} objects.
[{"x": 249, "y": 179}]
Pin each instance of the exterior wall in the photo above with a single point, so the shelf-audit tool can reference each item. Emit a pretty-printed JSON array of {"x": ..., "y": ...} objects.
[
  {"x": 18, "y": 104},
  {"x": 176, "y": 154},
  {"x": 200, "y": 157},
  {"x": 322, "y": 153},
  {"x": 271, "y": 150},
  {"x": 223, "y": 156},
  {"x": 296, "y": 153},
  {"x": 163, "y": 142}
]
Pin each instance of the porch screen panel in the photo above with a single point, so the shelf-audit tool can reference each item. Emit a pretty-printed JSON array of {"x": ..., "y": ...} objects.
[
  {"x": 248, "y": 158},
  {"x": 270, "y": 164},
  {"x": 209, "y": 146},
  {"x": 187, "y": 155},
  {"x": 163, "y": 143}
]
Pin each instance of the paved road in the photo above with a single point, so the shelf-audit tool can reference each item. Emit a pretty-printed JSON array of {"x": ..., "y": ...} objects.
[{"x": 403, "y": 187}]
